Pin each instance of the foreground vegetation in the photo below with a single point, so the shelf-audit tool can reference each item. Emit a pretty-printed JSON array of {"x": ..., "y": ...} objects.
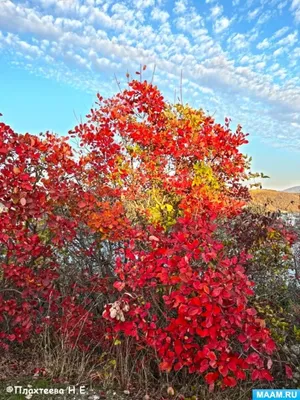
[{"x": 132, "y": 259}]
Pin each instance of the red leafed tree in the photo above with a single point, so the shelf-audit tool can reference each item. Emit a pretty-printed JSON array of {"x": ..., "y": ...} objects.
[
  {"x": 178, "y": 172},
  {"x": 132, "y": 217}
]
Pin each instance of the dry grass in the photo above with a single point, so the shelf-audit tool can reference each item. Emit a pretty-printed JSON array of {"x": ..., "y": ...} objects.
[{"x": 274, "y": 200}]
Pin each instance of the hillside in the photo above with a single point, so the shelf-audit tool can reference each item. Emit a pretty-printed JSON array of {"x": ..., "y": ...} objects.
[
  {"x": 275, "y": 200},
  {"x": 294, "y": 189}
]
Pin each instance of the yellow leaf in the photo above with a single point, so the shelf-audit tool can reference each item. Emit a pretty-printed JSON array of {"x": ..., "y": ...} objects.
[{"x": 169, "y": 207}]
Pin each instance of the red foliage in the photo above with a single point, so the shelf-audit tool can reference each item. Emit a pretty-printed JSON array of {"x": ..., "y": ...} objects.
[{"x": 177, "y": 292}]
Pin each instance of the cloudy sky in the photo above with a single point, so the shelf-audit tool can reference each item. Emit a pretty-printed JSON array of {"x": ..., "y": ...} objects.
[{"x": 239, "y": 58}]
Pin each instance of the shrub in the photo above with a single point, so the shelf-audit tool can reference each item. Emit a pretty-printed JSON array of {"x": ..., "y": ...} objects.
[{"x": 131, "y": 241}]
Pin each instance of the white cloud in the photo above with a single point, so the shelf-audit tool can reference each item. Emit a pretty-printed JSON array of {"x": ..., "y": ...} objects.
[
  {"x": 238, "y": 41},
  {"x": 189, "y": 22},
  {"x": 281, "y": 32},
  {"x": 282, "y": 5},
  {"x": 280, "y": 73},
  {"x": 278, "y": 52},
  {"x": 254, "y": 13},
  {"x": 101, "y": 19},
  {"x": 23, "y": 20},
  {"x": 289, "y": 40},
  {"x": 263, "y": 45},
  {"x": 180, "y": 6},
  {"x": 83, "y": 39},
  {"x": 216, "y": 11},
  {"x": 295, "y": 8},
  {"x": 62, "y": 5},
  {"x": 264, "y": 17},
  {"x": 274, "y": 67},
  {"x": 159, "y": 15},
  {"x": 68, "y": 24},
  {"x": 121, "y": 12},
  {"x": 141, "y": 4},
  {"x": 21, "y": 46},
  {"x": 245, "y": 60},
  {"x": 296, "y": 52},
  {"x": 260, "y": 65},
  {"x": 221, "y": 24}
]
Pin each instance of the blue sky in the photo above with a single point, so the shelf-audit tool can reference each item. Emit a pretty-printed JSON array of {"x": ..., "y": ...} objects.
[{"x": 239, "y": 58}]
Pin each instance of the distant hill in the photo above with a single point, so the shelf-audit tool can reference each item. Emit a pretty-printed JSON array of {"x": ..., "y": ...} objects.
[
  {"x": 275, "y": 200},
  {"x": 294, "y": 189}
]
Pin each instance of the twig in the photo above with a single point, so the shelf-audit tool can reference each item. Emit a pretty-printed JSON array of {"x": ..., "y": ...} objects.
[
  {"x": 181, "y": 87},
  {"x": 153, "y": 73},
  {"x": 118, "y": 83}
]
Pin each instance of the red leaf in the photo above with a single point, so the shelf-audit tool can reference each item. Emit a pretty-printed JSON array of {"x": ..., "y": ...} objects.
[
  {"x": 211, "y": 355},
  {"x": 270, "y": 346},
  {"x": 129, "y": 328},
  {"x": 119, "y": 285},
  {"x": 230, "y": 381},
  {"x": 264, "y": 374},
  {"x": 46, "y": 282},
  {"x": 178, "y": 347},
  {"x": 206, "y": 289},
  {"x": 216, "y": 292},
  {"x": 223, "y": 370},
  {"x": 204, "y": 366},
  {"x": 202, "y": 332},
  {"x": 255, "y": 375},
  {"x": 196, "y": 301},
  {"x": 23, "y": 201},
  {"x": 240, "y": 374},
  {"x": 154, "y": 238},
  {"x": 242, "y": 338},
  {"x": 232, "y": 365},
  {"x": 178, "y": 366},
  {"x": 194, "y": 311},
  {"x": 288, "y": 371},
  {"x": 165, "y": 366},
  {"x": 253, "y": 358},
  {"x": 211, "y": 377},
  {"x": 211, "y": 388},
  {"x": 251, "y": 311},
  {"x": 270, "y": 363}
]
